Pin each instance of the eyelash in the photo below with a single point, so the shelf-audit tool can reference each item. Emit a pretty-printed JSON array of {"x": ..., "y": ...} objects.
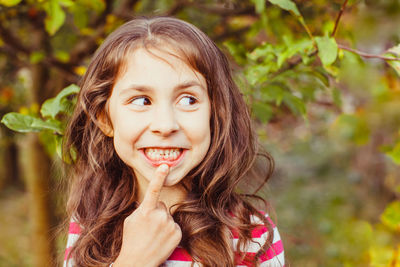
[{"x": 144, "y": 97}]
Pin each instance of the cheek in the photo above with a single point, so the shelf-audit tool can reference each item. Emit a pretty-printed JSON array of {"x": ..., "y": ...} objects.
[
  {"x": 197, "y": 128},
  {"x": 125, "y": 136}
]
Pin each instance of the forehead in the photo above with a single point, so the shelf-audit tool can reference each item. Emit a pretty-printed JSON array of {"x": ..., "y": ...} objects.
[{"x": 146, "y": 63}]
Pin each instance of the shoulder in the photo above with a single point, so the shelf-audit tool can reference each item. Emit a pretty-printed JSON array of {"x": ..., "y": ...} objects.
[{"x": 273, "y": 256}]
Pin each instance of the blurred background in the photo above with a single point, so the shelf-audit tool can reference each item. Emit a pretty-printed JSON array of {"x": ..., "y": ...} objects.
[{"x": 321, "y": 78}]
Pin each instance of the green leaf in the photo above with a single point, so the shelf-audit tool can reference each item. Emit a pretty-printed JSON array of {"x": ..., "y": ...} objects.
[
  {"x": 327, "y": 49},
  {"x": 394, "y": 52},
  {"x": 295, "y": 104},
  {"x": 96, "y": 5},
  {"x": 337, "y": 97},
  {"x": 292, "y": 48},
  {"x": 263, "y": 51},
  {"x": 62, "y": 56},
  {"x": 394, "y": 154},
  {"x": 383, "y": 256},
  {"x": 257, "y": 74},
  {"x": 260, "y": 5},
  {"x": 81, "y": 17},
  {"x": 66, "y": 3},
  {"x": 262, "y": 111},
  {"x": 36, "y": 57},
  {"x": 272, "y": 93},
  {"x": 287, "y": 5},
  {"x": 53, "y": 106},
  {"x": 391, "y": 216},
  {"x": 237, "y": 50},
  {"x": 27, "y": 123},
  {"x": 55, "y": 16},
  {"x": 9, "y": 2}
]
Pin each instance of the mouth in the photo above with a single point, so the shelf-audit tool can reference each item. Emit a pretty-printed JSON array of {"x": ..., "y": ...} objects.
[{"x": 158, "y": 156}]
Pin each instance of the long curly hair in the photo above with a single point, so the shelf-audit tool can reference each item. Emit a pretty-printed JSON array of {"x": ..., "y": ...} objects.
[{"x": 103, "y": 189}]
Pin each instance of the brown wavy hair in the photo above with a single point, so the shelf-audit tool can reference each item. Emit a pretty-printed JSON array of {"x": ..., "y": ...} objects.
[{"x": 104, "y": 190}]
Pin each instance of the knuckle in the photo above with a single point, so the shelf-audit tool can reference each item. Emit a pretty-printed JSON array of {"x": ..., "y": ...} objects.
[
  {"x": 178, "y": 233},
  {"x": 154, "y": 191}
]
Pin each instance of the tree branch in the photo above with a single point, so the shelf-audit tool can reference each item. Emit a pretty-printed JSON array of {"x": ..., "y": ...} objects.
[
  {"x": 12, "y": 56},
  {"x": 338, "y": 18},
  {"x": 13, "y": 46},
  {"x": 102, "y": 17},
  {"x": 292, "y": 63},
  {"x": 367, "y": 55},
  {"x": 66, "y": 69},
  {"x": 12, "y": 42},
  {"x": 87, "y": 46},
  {"x": 227, "y": 34},
  {"x": 124, "y": 10},
  {"x": 224, "y": 11},
  {"x": 178, "y": 6}
]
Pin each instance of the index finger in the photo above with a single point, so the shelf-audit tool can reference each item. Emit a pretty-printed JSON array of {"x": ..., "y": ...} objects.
[{"x": 152, "y": 194}]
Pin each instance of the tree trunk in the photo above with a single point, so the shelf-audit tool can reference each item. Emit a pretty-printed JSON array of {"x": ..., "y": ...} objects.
[
  {"x": 37, "y": 174},
  {"x": 11, "y": 173},
  {"x": 37, "y": 166}
]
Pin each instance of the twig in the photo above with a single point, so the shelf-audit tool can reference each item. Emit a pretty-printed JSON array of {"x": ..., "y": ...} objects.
[
  {"x": 367, "y": 55},
  {"x": 178, "y": 6},
  {"x": 292, "y": 63},
  {"x": 11, "y": 41},
  {"x": 15, "y": 45},
  {"x": 228, "y": 34},
  {"x": 338, "y": 18},
  {"x": 102, "y": 17},
  {"x": 222, "y": 11}
]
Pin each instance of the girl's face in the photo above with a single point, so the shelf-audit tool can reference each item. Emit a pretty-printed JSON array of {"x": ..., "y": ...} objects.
[{"x": 160, "y": 113}]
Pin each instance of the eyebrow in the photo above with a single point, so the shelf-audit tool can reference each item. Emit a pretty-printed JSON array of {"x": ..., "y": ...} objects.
[{"x": 147, "y": 89}]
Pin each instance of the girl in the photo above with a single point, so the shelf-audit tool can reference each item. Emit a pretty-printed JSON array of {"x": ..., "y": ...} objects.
[{"x": 163, "y": 137}]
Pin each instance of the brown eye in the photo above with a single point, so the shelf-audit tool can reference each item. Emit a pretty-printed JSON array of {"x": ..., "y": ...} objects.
[
  {"x": 140, "y": 101},
  {"x": 188, "y": 100}
]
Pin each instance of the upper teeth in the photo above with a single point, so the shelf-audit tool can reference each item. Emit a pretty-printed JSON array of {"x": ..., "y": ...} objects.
[{"x": 157, "y": 154}]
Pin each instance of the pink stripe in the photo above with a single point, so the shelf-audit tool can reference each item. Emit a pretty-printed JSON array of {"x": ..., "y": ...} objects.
[
  {"x": 74, "y": 228},
  {"x": 257, "y": 232},
  {"x": 67, "y": 253},
  {"x": 271, "y": 222},
  {"x": 180, "y": 254},
  {"x": 235, "y": 233},
  {"x": 272, "y": 252}
]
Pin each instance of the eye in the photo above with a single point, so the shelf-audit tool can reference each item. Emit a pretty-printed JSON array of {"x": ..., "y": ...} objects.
[
  {"x": 140, "y": 101},
  {"x": 188, "y": 100}
]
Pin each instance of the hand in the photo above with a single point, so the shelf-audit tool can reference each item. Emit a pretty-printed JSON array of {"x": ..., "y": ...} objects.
[{"x": 150, "y": 234}]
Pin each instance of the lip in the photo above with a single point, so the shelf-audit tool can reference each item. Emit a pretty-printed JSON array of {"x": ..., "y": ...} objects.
[{"x": 156, "y": 163}]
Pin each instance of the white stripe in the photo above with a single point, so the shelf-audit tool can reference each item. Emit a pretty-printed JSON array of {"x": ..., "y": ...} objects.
[
  {"x": 72, "y": 239},
  {"x": 257, "y": 220},
  {"x": 171, "y": 263},
  {"x": 256, "y": 243},
  {"x": 70, "y": 263}
]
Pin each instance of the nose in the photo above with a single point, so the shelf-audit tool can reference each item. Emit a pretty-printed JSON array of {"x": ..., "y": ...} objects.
[{"x": 164, "y": 120}]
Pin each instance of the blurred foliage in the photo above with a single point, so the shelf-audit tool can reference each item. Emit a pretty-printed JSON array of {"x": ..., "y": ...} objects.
[{"x": 328, "y": 111}]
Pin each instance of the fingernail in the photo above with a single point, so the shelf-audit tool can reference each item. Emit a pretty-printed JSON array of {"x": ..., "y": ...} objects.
[{"x": 164, "y": 167}]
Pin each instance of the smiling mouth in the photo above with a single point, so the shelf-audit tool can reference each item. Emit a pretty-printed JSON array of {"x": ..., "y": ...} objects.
[{"x": 169, "y": 156}]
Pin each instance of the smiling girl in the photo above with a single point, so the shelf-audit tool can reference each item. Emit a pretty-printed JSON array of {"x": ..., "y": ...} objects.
[{"x": 163, "y": 137}]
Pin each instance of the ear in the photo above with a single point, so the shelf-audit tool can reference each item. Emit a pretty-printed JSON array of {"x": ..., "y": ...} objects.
[{"x": 104, "y": 124}]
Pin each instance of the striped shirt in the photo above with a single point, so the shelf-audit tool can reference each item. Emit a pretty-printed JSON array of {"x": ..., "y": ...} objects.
[{"x": 273, "y": 257}]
